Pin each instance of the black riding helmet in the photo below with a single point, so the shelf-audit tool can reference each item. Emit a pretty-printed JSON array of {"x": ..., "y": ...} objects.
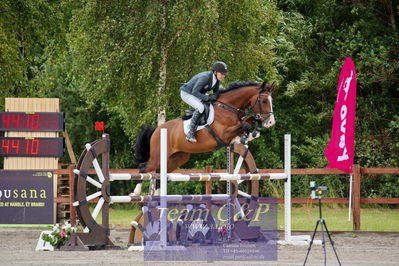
[{"x": 220, "y": 67}]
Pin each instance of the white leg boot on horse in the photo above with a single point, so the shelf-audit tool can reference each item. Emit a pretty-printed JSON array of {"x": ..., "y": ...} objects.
[
  {"x": 137, "y": 190},
  {"x": 193, "y": 127}
]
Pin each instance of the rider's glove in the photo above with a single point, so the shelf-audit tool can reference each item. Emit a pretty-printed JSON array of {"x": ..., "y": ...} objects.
[{"x": 213, "y": 98}]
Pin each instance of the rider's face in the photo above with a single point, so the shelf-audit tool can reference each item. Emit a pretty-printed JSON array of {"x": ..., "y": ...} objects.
[{"x": 220, "y": 76}]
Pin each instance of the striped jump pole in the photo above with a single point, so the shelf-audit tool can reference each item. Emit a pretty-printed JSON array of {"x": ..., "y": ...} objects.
[
  {"x": 178, "y": 198},
  {"x": 198, "y": 176}
]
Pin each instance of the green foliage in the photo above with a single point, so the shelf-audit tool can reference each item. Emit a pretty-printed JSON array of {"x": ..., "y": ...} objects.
[
  {"x": 30, "y": 32},
  {"x": 313, "y": 40},
  {"x": 121, "y": 73}
]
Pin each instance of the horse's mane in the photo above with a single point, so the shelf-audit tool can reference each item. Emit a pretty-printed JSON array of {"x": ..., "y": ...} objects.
[{"x": 235, "y": 85}]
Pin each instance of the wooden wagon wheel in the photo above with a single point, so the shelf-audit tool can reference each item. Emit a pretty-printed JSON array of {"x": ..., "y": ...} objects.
[
  {"x": 95, "y": 235},
  {"x": 242, "y": 229},
  {"x": 245, "y": 159}
]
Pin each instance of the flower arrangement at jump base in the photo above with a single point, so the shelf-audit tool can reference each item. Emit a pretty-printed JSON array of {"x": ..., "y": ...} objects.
[
  {"x": 61, "y": 233},
  {"x": 222, "y": 232}
]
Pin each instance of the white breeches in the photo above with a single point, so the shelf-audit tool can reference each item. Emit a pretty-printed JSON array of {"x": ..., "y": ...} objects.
[{"x": 192, "y": 101}]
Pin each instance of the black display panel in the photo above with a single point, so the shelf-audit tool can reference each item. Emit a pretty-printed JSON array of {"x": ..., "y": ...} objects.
[
  {"x": 41, "y": 121},
  {"x": 32, "y": 147}
]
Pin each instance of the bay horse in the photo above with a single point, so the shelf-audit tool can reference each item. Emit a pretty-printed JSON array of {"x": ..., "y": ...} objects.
[{"x": 231, "y": 120}]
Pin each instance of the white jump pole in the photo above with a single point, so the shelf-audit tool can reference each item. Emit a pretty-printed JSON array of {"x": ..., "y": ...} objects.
[
  {"x": 162, "y": 244},
  {"x": 287, "y": 187},
  {"x": 164, "y": 185},
  {"x": 288, "y": 238}
]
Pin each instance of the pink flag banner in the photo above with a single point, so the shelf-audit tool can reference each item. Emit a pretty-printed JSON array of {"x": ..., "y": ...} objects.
[{"x": 340, "y": 149}]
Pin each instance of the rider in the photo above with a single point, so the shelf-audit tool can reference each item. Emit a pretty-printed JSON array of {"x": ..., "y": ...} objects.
[{"x": 194, "y": 93}]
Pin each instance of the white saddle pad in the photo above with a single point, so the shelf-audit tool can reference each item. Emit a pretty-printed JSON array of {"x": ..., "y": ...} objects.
[{"x": 209, "y": 121}]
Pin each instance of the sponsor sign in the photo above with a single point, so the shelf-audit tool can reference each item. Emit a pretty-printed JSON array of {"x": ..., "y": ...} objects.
[{"x": 26, "y": 197}]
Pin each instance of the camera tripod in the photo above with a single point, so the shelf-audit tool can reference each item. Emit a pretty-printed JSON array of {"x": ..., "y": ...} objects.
[{"x": 323, "y": 226}]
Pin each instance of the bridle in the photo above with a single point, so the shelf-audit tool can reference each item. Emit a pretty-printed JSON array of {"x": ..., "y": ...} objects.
[
  {"x": 258, "y": 116},
  {"x": 242, "y": 114}
]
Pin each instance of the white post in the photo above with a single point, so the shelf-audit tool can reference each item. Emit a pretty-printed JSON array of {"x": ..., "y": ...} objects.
[
  {"x": 350, "y": 197},
  {"x": 290, "y": 239},
  {"x": 287, "y": 186},
  {"x": 164, "y": 185}
]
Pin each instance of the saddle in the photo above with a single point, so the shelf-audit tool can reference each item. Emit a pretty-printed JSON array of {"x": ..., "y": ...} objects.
[{"x": 203, "y": 118}]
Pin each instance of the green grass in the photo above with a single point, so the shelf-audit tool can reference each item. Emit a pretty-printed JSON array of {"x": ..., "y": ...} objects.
[
  {"x": 119, "y": 217},
  {"x": 122, "y": 217},
  {"x": 303, "y": 218},
  {"x": 27, "y": 225}
]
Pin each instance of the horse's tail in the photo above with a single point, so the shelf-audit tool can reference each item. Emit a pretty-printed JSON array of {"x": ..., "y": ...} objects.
[{"x": 143, "y": 145}]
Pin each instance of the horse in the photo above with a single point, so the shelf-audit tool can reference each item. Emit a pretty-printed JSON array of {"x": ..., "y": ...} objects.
[{"x": 231, "y": 121}]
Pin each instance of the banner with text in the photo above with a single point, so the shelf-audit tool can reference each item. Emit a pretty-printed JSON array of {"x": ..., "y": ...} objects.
[
  {"x": 26, "y": 197},
  {"x": 211, "y": 230},
  {"x": 340, "y": 149}
]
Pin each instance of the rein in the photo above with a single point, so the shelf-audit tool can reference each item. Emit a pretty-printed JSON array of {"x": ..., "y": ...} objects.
[{"x": 242, "y": 113}]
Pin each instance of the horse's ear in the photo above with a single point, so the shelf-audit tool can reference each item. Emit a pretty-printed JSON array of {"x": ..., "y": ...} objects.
[
  {"x": 262, "y": 87},
  {"x": 266, "y": 87}
]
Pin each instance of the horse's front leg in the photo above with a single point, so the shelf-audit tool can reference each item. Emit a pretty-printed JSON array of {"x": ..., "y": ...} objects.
[{"x": 239, "y": 132}]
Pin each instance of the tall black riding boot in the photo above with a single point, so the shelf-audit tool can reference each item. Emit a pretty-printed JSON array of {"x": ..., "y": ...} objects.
[{"x": 193, "y": 126}]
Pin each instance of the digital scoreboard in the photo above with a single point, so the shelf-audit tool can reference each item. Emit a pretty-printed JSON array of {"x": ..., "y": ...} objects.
[
  {"x": 32, "y": 147},
  {"x": 40, "y": 121}
]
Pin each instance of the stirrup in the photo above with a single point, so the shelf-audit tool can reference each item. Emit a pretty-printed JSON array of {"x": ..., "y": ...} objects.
[{"x": 191, "y": 138}]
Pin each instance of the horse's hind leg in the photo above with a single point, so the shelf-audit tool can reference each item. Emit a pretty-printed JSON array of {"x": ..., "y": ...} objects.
[
  {"x": 152, "y": 165},
  {"x": 148, "y": 167},
  {"x": 176, "y": 160}
]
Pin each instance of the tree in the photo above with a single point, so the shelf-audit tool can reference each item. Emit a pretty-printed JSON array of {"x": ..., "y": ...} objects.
[
  {"x": 30, "y": 31},
  {"x": 145, "y": 50}
]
